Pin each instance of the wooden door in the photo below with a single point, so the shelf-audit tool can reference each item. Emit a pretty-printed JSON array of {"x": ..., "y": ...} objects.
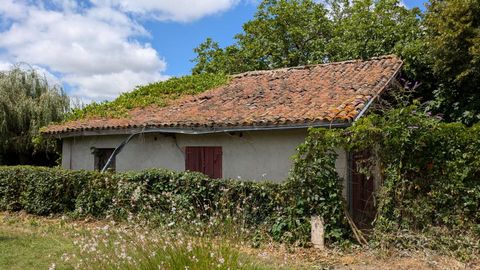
[
  {"x": 363, "y": 207},
  {"x": 204, "y": 159}
]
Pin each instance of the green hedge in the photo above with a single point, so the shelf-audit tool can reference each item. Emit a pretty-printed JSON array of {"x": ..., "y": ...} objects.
[
  {"x": 163, "y": 194},
  {"x": 283, "y": 210}
]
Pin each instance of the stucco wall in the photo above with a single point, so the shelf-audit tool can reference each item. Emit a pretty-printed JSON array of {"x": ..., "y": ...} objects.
[{"x": 258, "y": 155}]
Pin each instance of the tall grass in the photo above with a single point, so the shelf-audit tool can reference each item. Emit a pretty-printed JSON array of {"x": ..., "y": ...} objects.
[{"x": 137, "y": 247}]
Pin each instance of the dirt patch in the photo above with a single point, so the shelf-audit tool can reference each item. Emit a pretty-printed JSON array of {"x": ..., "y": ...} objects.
[{"x": 310, "y": 258}]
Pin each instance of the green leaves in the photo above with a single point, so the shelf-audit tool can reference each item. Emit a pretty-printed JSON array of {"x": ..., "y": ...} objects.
[
  {"x": 453, "y": 29},
  {"x": 158, "y": 93},
  {"x": 313, "y": 188},
  {"x": 285, "y": 33},
  {"x": 161, "y": 195},
  {"x": 430, "y": 169},
  {"x": 27, "y": 102},
  {"x": 282, "y": 33}
]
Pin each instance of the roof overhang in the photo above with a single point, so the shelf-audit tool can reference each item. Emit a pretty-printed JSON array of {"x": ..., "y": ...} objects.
[{"x": 196, "y": 130}]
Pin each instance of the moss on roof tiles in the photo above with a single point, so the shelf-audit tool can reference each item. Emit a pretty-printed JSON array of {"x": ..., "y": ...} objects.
[{"x": 157, "y": 93}]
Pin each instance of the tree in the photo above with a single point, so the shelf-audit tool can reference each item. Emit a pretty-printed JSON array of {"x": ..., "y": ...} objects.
[
  {"x": 213, "y": 59},
  {"x": 282, "y": 33},
  {"x": 453, "y": 29},
  {"x": 294, "y": 32},
  {"x": 28, "y": 102},
  {"x": 368, "y": 28}
]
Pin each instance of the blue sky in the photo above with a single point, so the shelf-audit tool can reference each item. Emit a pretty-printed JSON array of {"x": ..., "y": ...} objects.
[{"x": 97, "y": 49}]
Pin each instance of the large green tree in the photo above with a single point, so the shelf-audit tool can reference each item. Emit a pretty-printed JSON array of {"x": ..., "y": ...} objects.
[
  {"x": 367, "y": 28},
  {"x": 298, "y": 32},
  {"x": 453, "y": 41},
  {"x": 28, "y": 102},
  {"x": 282, "y": 33}
]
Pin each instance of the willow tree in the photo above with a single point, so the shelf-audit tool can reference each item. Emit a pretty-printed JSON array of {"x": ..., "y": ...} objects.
[{"x": 28, "y": 102}]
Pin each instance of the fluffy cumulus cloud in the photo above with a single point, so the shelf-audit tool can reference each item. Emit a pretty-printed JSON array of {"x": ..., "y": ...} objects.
[
  {"x": 93, "y": 47},
  {"x": 178, "y": 10}
]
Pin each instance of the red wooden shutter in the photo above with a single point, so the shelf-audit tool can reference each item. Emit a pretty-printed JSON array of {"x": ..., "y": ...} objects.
[
  {"x": 193, "y": 159},
  {"x": 207, "y": 160},
  {"x": 217, "y": 162}
]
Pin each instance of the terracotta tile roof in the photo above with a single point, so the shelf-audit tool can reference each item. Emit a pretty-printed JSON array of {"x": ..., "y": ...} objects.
[{"x": 325, "y": 93}]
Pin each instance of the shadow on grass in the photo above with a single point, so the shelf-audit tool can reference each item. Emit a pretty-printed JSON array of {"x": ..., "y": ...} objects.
[{"x": 4, "y": 238}]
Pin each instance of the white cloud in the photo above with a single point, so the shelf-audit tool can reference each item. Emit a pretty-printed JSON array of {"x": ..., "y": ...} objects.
[
  {"x": 5, "y": 66},
  {"x": 101, "y": 86},
  {"x": 9, "y": 9},
  {"x": 178, "y": 10},
  {"x": 93, "y": 46}
]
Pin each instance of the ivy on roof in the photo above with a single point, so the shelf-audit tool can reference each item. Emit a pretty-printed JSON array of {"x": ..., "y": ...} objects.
[{"x": 158, "y": 93}]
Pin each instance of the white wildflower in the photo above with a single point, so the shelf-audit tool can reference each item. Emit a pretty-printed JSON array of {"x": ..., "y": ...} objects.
[{"x": 136, "y": 194}]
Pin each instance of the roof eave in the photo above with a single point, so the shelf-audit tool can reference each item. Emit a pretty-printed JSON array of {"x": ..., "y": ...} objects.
[{"x": 195, "y": 130}]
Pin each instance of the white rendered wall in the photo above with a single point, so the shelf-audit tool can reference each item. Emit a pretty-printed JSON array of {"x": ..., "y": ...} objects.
[{"x": 257, "y": 155}]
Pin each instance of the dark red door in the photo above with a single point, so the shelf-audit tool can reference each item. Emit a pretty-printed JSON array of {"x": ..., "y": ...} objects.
[
  {"x": 204, "y": 159},
  {"x": 362, "y": 195}
]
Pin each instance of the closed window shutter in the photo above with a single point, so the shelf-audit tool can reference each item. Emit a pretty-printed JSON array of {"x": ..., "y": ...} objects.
[
  {"x": 207, "y": 160},
  {"x": 217, "y": 162}
]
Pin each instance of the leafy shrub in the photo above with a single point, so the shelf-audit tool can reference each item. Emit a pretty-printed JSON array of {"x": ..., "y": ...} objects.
[
  {"x": 170, "y": 197},
  {"x": 161, "y": 195},
  {"x": 430, "y": 169},
  {"x": 429, "y": 173},
  {"x": 317, "y": 188},
  {"x": 158, "y": 93}
]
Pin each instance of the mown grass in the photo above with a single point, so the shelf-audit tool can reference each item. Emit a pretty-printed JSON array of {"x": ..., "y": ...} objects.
[{"x": 30, "y": 245}]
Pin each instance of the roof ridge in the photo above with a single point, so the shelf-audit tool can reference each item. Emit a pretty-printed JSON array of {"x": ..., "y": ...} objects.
[{"x": 266, "y": 71}]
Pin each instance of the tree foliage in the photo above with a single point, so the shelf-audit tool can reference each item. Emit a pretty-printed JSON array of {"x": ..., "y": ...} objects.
[
  {"x": 282, "y": 33},
  {"x": 27, "y": 102},
  {"x": 299, "y": 32},
  {"x": 367, "y": 28},
  {"x": 454, "y": 40}
]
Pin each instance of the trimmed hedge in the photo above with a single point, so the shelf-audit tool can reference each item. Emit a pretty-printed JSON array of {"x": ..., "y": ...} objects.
[{"x": 157, "y": 193}]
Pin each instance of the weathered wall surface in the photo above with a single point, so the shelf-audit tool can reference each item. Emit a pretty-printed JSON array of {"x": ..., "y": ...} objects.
[{"x": 259, "y": 155}]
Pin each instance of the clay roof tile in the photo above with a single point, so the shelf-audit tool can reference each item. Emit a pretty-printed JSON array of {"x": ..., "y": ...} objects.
[{"x": 325, "y": 92}]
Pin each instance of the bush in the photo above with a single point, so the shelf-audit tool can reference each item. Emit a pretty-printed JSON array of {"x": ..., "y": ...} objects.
[
  {"x": 431, "y": 172},
  {"x": 171, "y": 197},
  {"x": 317, "y": 188},
  {"x": 161, "y": 195},
  {"x": 428, "y": 174}
]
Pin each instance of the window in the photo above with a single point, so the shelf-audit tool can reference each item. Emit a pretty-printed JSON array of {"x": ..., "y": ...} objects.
[
  {"x": 207, "y": 160},
  {"x": 101, "y": 157}
]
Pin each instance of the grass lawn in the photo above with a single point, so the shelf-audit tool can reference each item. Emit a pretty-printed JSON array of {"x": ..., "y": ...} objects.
[
  {"x": 29, "y": 242},
  {"x": 26, "y": 244}
]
